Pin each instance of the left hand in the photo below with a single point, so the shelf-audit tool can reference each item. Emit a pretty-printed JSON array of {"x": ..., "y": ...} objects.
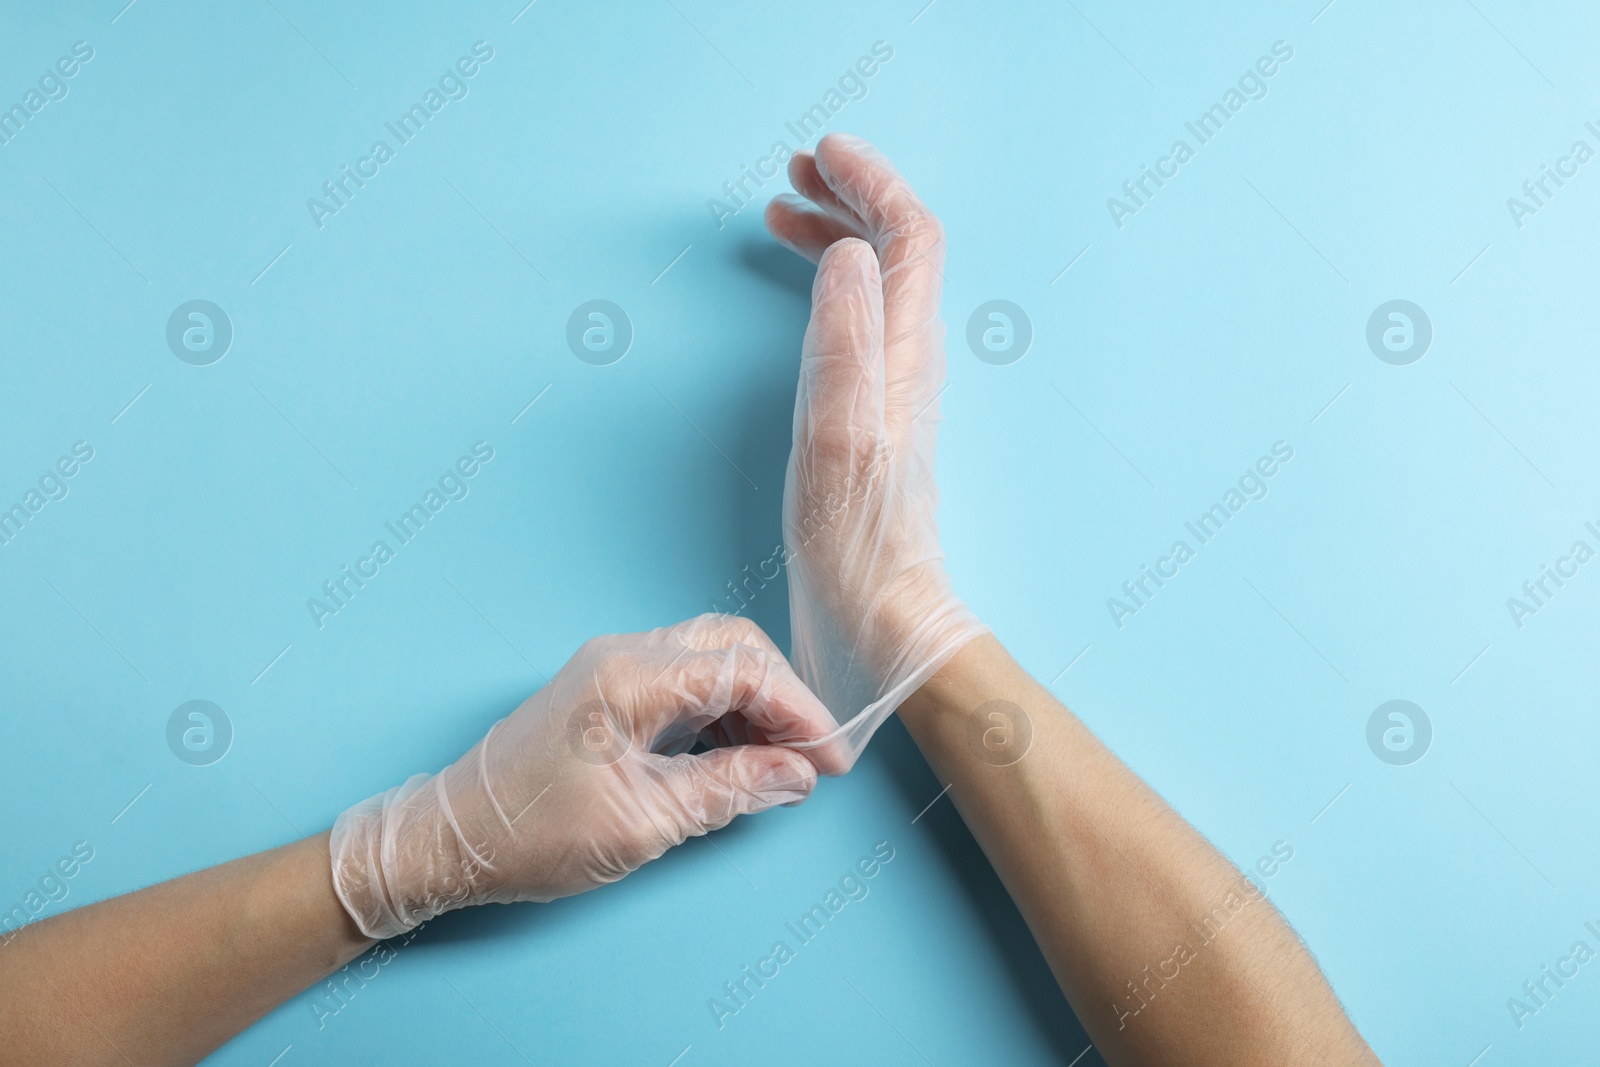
[{"x": 872, "y": 611}]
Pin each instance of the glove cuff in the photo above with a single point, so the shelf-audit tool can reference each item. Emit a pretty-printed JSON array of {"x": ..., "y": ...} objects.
[{"x": 363, "y": 850}]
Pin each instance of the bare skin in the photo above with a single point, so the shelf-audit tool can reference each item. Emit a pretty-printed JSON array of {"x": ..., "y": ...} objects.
[
  {"x": 167, "y": 974},
  {"x": 1111, "y": 881},
  {"x": 1165, "y": 951},
  {"x": 1108, "y": 877}
]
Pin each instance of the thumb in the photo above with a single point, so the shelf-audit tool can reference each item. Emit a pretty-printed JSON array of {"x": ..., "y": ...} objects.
[
  {"x": 839, "y": 413},
  {"x": 712, "y": 788}
]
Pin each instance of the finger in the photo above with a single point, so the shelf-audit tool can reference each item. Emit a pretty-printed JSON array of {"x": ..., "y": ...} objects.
[
  {"x": 863, "y": 182},
  {"x": 715, "y": 630},
  {"x": 729, "y": 732},
  {"x": 711, "y": 789},
  {"x": 755, "y": 683},
  {"x": 709, "y": 633},
  {"x": 910, "y": 244},
  {"x": 705, "y": 633},
  {"x": 839, "y": 411},
  {"x": 809, "y": 183},
  {"x": 833, "y": 755},
  {"x": 804, "y": 228}
]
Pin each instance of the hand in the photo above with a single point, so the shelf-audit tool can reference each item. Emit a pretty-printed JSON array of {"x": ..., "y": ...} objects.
[
  {"x": 579, "y": 786},
  {"x": 872, "y": 611}
]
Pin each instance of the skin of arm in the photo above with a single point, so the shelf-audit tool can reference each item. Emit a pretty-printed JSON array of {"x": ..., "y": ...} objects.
[
  {"x": 167, "y": 974},
  {"x": 1166, "y": 952},
  {"x": 587, "y": 781}
]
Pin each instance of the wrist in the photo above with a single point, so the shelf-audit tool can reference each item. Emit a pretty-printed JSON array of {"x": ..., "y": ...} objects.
[
  {"x": 991, "y": 733},
  {"x": 918, "y": 619},
  {"x": 380, "y": 854},
  {"x": 979, "y": 672},
  {"x": 334, "y": 933},
  {"x": 910, "y": 606}
]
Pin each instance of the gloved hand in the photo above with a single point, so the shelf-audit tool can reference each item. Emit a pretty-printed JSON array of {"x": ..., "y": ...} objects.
[
  {"x": 872, "y": 612},
  {"x": 580, "y": 785}
]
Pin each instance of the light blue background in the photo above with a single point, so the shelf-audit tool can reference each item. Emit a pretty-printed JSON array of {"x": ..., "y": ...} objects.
[{"x": 423, "y": 317}]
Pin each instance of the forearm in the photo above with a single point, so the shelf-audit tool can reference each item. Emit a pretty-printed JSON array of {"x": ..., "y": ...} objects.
[
  {"x": 1165, "y": 951},
  {"x": 535, "y": 811},
  {"x": 167, "y": 974}
]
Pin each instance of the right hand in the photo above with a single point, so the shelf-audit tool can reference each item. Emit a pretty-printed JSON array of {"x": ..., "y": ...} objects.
[{"x": 579, "y": 786}]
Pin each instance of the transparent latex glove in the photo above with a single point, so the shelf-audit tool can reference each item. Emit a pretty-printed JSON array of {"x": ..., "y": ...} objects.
[
  {"x": 590, "y": 778},
  {"x": 872, "y": 612}
]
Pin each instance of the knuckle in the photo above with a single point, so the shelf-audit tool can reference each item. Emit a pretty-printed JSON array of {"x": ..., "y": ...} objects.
[
  {"x": 591, "y": 651},
  {"x": 705, "y": 622},
  {"x": 870, "y": 455},
  {"x": 851, "y": 252},
  {"x": 746, "y": 632},
  {"x": 614, "y": 672},
  {"x": 860, "y": 451},
  {"x": 751, "y": 669},
  {"x": 922, "y": 232},
  {"x": 858, "y": 459}
]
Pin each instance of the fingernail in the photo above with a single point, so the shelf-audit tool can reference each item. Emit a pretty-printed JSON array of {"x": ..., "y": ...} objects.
[
  {"x": 785, "y": 783},
  {"x": 784, "y": 798}
]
